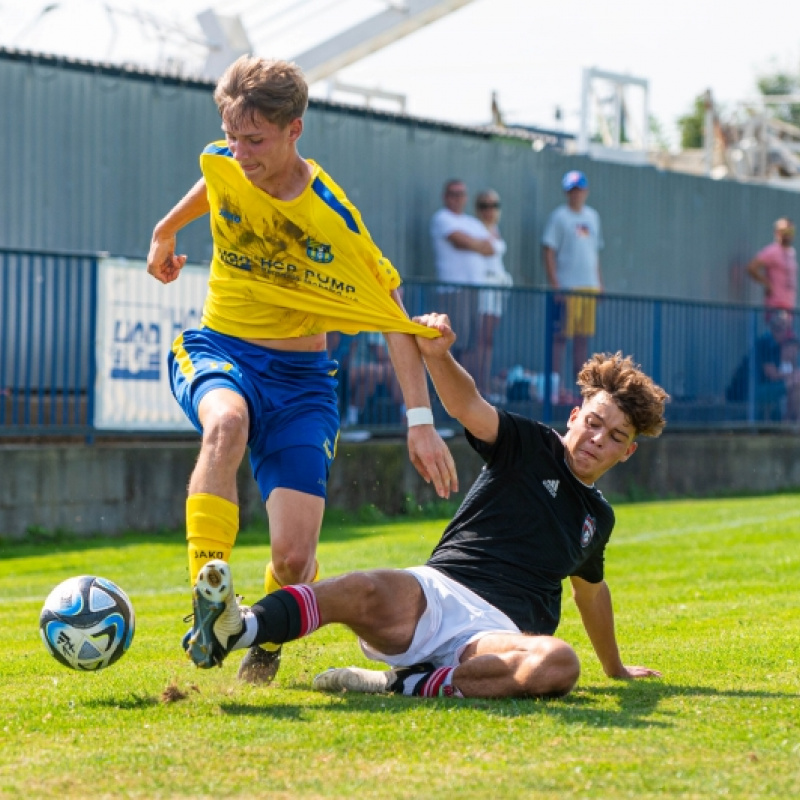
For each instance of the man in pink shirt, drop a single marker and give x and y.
(775, 267)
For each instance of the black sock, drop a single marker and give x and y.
(410, 680)
(278, 616)
(425, 680)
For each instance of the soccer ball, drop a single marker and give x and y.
(87, 623)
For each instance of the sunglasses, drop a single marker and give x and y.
(487, 206)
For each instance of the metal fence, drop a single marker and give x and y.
(47, 326)
(704, 354)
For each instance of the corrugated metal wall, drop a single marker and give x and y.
(92, 156)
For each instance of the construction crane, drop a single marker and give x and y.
(399, 19)
(228, 40)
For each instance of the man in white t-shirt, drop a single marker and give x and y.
(571, 246)
(460, 243)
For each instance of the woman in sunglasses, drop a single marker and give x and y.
(491, 302)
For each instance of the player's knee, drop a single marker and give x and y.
(564, 668)
(556, 671)
(367, 598)
(293, 565)
(226, 426)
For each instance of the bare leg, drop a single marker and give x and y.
(559, 346)
(212, 513)
(516, 665)
(382, 607)
(580, 352)
(486, 330)
(295, 519)
(223, 415)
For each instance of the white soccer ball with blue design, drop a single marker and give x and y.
(87, 623)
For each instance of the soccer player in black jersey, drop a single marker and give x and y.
(478, 619)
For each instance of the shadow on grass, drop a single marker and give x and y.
(629, 705)
(134, 702)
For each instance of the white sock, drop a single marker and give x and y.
(250, 630)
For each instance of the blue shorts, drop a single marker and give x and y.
(291, 400)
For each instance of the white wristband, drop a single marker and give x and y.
(419, 416)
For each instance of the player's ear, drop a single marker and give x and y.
(573, 415)
(629, 451)
(295, 129)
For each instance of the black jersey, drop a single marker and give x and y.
(525, 525)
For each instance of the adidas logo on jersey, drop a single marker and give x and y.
(551, 486)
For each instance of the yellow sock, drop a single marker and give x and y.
(271, 584)
(211, 527)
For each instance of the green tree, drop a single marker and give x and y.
(658, 137)
(692, 124)
(782, 83)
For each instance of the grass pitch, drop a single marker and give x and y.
(706, 591)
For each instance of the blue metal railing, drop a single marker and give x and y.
(47, 314)
(48, 325)
(693, 349)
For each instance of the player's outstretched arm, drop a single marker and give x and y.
(428, 453)
(454, 385)
(162, 263)
(594, 604)
(426, 449)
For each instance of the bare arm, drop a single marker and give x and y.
(463, 241)
(454, 385)
(756, 269)
(429, 454)
(549, 256)
(594, 604)
(162, 263)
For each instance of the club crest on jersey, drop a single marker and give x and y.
(319, 252)
(231, 216)
(588, 531)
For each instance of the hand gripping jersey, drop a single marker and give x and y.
(286, 269)
(526, 524)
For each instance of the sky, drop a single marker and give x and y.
(531, 53)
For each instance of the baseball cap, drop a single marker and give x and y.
(574, 180)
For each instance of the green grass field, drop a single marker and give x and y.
(706, 591)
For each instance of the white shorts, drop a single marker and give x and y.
(454, 617)
(491, 301)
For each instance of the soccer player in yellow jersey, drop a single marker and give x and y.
(292, 260)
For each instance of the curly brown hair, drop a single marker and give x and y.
(274, 89)
(636, 394)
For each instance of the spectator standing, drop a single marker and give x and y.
(572, 243)
(370, 370)
(460, 242)
(775, 268)
(777, 376)
(491, 302)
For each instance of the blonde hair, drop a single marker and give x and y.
(486, 195)
(273, 89)
(635, 394)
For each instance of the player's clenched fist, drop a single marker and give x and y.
(441, 344)
(162, 263)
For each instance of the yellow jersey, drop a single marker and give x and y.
(283, 269)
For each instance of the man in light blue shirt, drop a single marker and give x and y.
(571, 247)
